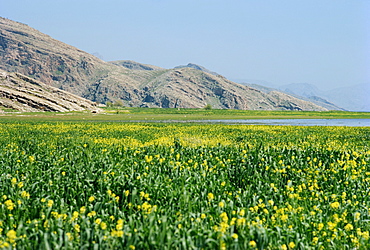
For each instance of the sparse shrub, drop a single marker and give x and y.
(109, 104)
(118, 103)
(208, 107)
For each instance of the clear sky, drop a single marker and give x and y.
(322, 42)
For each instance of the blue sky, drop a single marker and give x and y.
(322, 42)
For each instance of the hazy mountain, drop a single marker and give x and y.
(34, 54)
(19, 92)
(353, 98)
(302, 89)
(310, 98)
(312, 93)
(260, 87)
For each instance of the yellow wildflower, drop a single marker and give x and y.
(335, 205)
(119, 225)
(69, 236)
(31, 158)
(9, 204)
(91, 214)
(241, 221)
(12, 236)
(284, 217)
(50, 203)
(74, 215)
(103, 225)
(357, 216)
(348, 227)
(25, 194)
(315, 240)
(210, 196)
(118, 233)
(252, 243)
(82, 209)
(14, 181)
(224, 217)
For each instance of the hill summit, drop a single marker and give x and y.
(38, 56)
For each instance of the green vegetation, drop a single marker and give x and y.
(120, 113)
(208, 107)
(183, 186)
(117, 105)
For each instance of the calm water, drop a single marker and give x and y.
(297, 122)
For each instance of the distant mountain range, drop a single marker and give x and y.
(35, 55)
(353, 98)
(300, 92)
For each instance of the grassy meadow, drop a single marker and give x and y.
(163, 114)
(87, 185)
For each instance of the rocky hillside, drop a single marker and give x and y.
(188, 87)
(19, 92)
(34, 54)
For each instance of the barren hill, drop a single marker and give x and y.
(19, 92)
(188, 87)
(34, 54)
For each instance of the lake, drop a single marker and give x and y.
(297, 122)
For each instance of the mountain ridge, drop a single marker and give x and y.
(129, 64)
(198, 67)
(32, 53)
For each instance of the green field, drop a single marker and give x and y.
(157, 114)
(73, 185)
